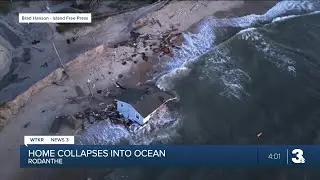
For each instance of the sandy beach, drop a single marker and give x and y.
(114, 54)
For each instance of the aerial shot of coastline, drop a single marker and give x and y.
(160, 72)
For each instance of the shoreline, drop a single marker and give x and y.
(40, 104)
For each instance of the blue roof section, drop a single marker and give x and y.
(129, 112)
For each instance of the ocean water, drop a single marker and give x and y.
(239, 77)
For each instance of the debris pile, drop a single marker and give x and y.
(90, 116)
(166, 42)
(162, 43)
(146, 44)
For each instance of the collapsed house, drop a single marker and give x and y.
(129, 113)
(105, 133)
(117, 112)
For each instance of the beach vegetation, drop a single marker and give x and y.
(5, 7)
(3, 104)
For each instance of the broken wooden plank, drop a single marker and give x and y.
(120, 86)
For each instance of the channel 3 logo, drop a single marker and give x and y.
(298, 156)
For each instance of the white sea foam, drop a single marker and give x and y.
(279, 19)
(271, 50)
(103, 132)
(198, 44)
(220, 66)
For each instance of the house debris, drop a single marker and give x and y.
(129, 113)
(118, 112)
(259, 135)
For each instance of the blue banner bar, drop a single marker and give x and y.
(59, 156)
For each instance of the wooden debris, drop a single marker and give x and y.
(193, 7)
(259, 135)
(74, 39)
(44, 65)
(120, 86)
(158, 22)
(35, 42)
(89, 87)
(26, 125)
(78, 120)
(79, 115)
(166, 50)
(144, 56)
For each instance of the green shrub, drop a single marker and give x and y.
(3, 104)
(5, 7)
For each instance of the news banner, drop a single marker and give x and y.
(60, 151)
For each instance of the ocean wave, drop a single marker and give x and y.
(280, 19)
(193, 46)
(288, 8)
(201, 43)
(271, 50)
(220, 66)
